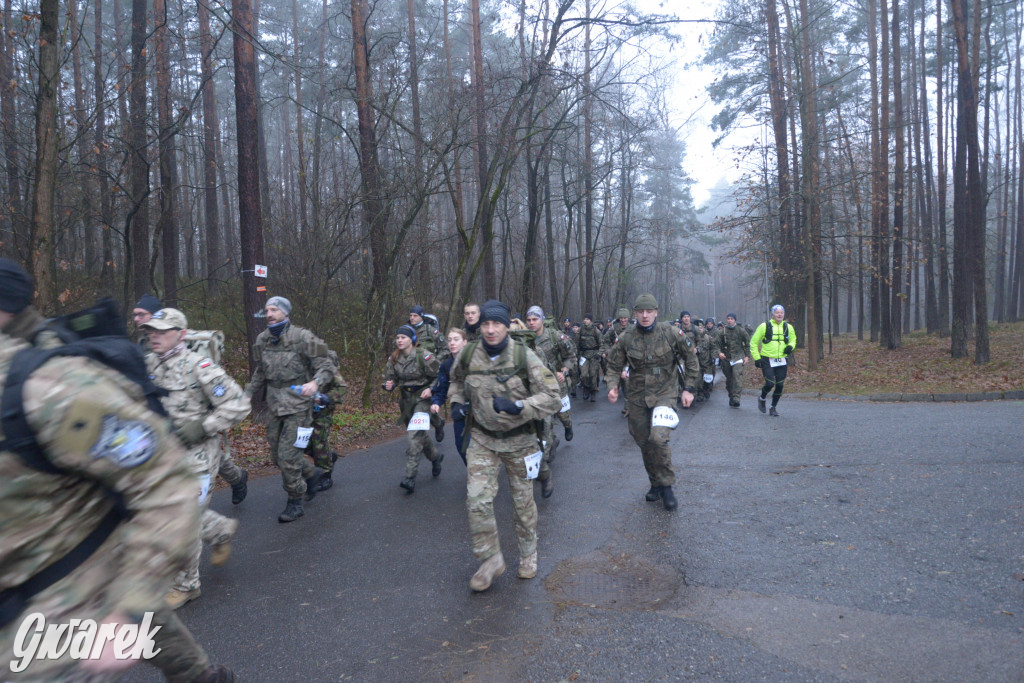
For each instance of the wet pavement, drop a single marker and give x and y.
(840, 541)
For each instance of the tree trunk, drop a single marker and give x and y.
(896, 305)
(210, 159)
(484, 214)
(810, 185)
(137, 228)
(167, 225)
(46, 156)
(14, 215)
(246, 124)
(941, 157)
(299, 113)
(106, 206)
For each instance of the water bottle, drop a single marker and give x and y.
(320, 401)
(297, 388)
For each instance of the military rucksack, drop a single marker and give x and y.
(207, 343)
(518, 360)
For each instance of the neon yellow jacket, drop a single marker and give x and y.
(776, 347)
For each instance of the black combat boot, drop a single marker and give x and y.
(653, 495)
(215, 673)
(773, 412)
(240, 490)
(439, 433)
(292, 511)
(435, 467)
(547, 487)
(568, 433)
(668, 498)
(313, 484)
(326, 482)
(409, 484)
(760, 405)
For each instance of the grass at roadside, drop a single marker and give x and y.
(922, 365)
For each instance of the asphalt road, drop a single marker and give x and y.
(841, 541)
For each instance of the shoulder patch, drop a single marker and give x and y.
(126, 443)
(218, 390)
(205, 364)
(426, 356)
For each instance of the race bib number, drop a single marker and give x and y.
(204, 488)
(736, 362)
(420, 422)
(302, 437)
(776, 362)
(682, 369)
(625, 371)
(664, 417)
(566, 406)
(582, 361)
(532, 462)
(708, 379)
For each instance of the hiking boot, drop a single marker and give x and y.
(492, 567)
(220, 552)
(760, 405)
(528, 566)
(292, 511)
(435, 467)
(326, 482)
(547, 487)
(734, 402)
(668, 498)
(568, 433)
(215, 673)
(698, 398)
(653, 495)
(409, 484)
(586, 394)
(312, 483)
(176, 598)
(773, 412)
(240, 490)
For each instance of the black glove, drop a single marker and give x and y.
(191, 433)
(759, 363)
(788, 350)
(458, 411)
(504, 405)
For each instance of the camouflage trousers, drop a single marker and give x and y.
(653, 443)
(733, 379)
(214, 528)
(320, 443)
(229, 470)
(550, 443)
(566, 417)
(421, 442)
(590, 373)
(295, 467)
(482, 487)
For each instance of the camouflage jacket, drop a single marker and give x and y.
(93, 423)
(733, 341)
(556, 350)
(502, 432)
(412, 373)
(589, 341)
(653, 357)
(429, 338)
(199, 390)
(612, 335)
(296, 357)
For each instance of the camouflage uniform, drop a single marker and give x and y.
(555, 349)
(696, 336)
(199, 389)
(323, 419)
(707, 359)
(734, 342)
(412, 373)
(501, 438)
(652, 356)
(295, 357)
(589, 346)
(430, 339)
(92, 421)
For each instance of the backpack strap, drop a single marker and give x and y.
(518, 359)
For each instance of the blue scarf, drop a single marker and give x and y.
(278, 328)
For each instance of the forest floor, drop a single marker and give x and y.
(922, 365)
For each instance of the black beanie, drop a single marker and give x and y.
(15, 286)
(407, 331)
(683, 313)
(150, 303)
(496, 311)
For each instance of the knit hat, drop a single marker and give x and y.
(623, 312)
(496, 311)
(588, 316)
(731, 315)
(15, 286)
(535, 312)
(407, 331)
(150, 303)
(167, 319)
(418, 310)
(281, 303)
(645, 302)
(683, 314)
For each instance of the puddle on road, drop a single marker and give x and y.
(613, 581)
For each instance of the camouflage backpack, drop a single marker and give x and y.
(207, 343)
